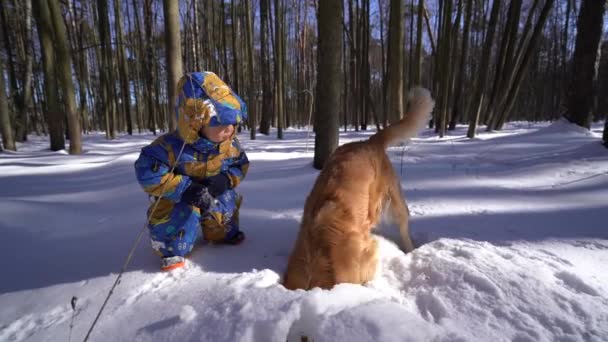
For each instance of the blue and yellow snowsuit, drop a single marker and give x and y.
(203, 100)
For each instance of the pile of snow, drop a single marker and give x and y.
(510, 229)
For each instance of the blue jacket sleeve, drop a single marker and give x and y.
(238, 169)
(152, 171)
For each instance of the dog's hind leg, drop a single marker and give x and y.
(400, 214)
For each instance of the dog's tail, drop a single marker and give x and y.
(420, 107)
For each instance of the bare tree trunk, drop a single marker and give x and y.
(137, 51)
(53, 111)
(328, 87)
(123, 67)
(565, 72)
(105, 70)
(196, 50)
(235, 61)
(279, 76)
(512, 65)
(417, 77)
(385, 116)
(345, 88)
(353, 68)
(516, 78)
(366, 69)
(505, 55)
(265, 69)
(64, 66)
(9, 48)
(436, 65)
(150, 77)
(81, 63)
(478, 96)
(429, 31)
(582, 90)
(222, 26)
(444, 76)
(250, 72)
(174, 56)
(6, 128)
(459, 101)
(39, 112)
(410, 63)
(395, 61)
(25, 102)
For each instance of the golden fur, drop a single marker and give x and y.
(335, 244)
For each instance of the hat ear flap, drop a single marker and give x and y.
(206, 118)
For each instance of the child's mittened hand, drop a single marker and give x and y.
(197, 195)
(217, 184)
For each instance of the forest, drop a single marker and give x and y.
(71, 67)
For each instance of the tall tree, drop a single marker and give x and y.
(51, 96)
(278, 70)
(196, 50)
(395, 61)
(222, 26)
(479, 92)
(444, 68)
(137, 54)
(9, 47)
(329, 21)
(235, 55)
(64, 72)
(250, 72)
(520, 67)
(105, 68)
(123, 67)
(25, 100)
(5, 119)
(174, 56)
(417, 77)
(582, 89)
(265, 68)
(459, 87)
(505, 52)
(76, 28)
(365, 78)
(149, 62)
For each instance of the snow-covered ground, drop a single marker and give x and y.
(511, 228)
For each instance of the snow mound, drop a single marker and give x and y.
(563, 126)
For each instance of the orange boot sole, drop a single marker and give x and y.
(173, 266)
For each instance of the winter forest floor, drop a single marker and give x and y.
(511, 229)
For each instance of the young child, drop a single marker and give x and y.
(200, 190)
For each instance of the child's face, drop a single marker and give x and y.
(218, 134)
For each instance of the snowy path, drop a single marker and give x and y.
(511, 228)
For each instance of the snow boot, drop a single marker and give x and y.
(236, 239)
(171, 263)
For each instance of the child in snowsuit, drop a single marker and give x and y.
(199, 193)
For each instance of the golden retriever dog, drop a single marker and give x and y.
(335, 244)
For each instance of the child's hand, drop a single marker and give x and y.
(197, 195)
(217, 184)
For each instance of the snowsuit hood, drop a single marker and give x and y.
(203, 99)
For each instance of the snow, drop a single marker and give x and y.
(188, 314)
(510, 228)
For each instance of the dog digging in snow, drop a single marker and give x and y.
(335, 244)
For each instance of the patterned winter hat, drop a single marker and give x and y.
(205, 100)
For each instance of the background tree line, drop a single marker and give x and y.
(70, 67)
